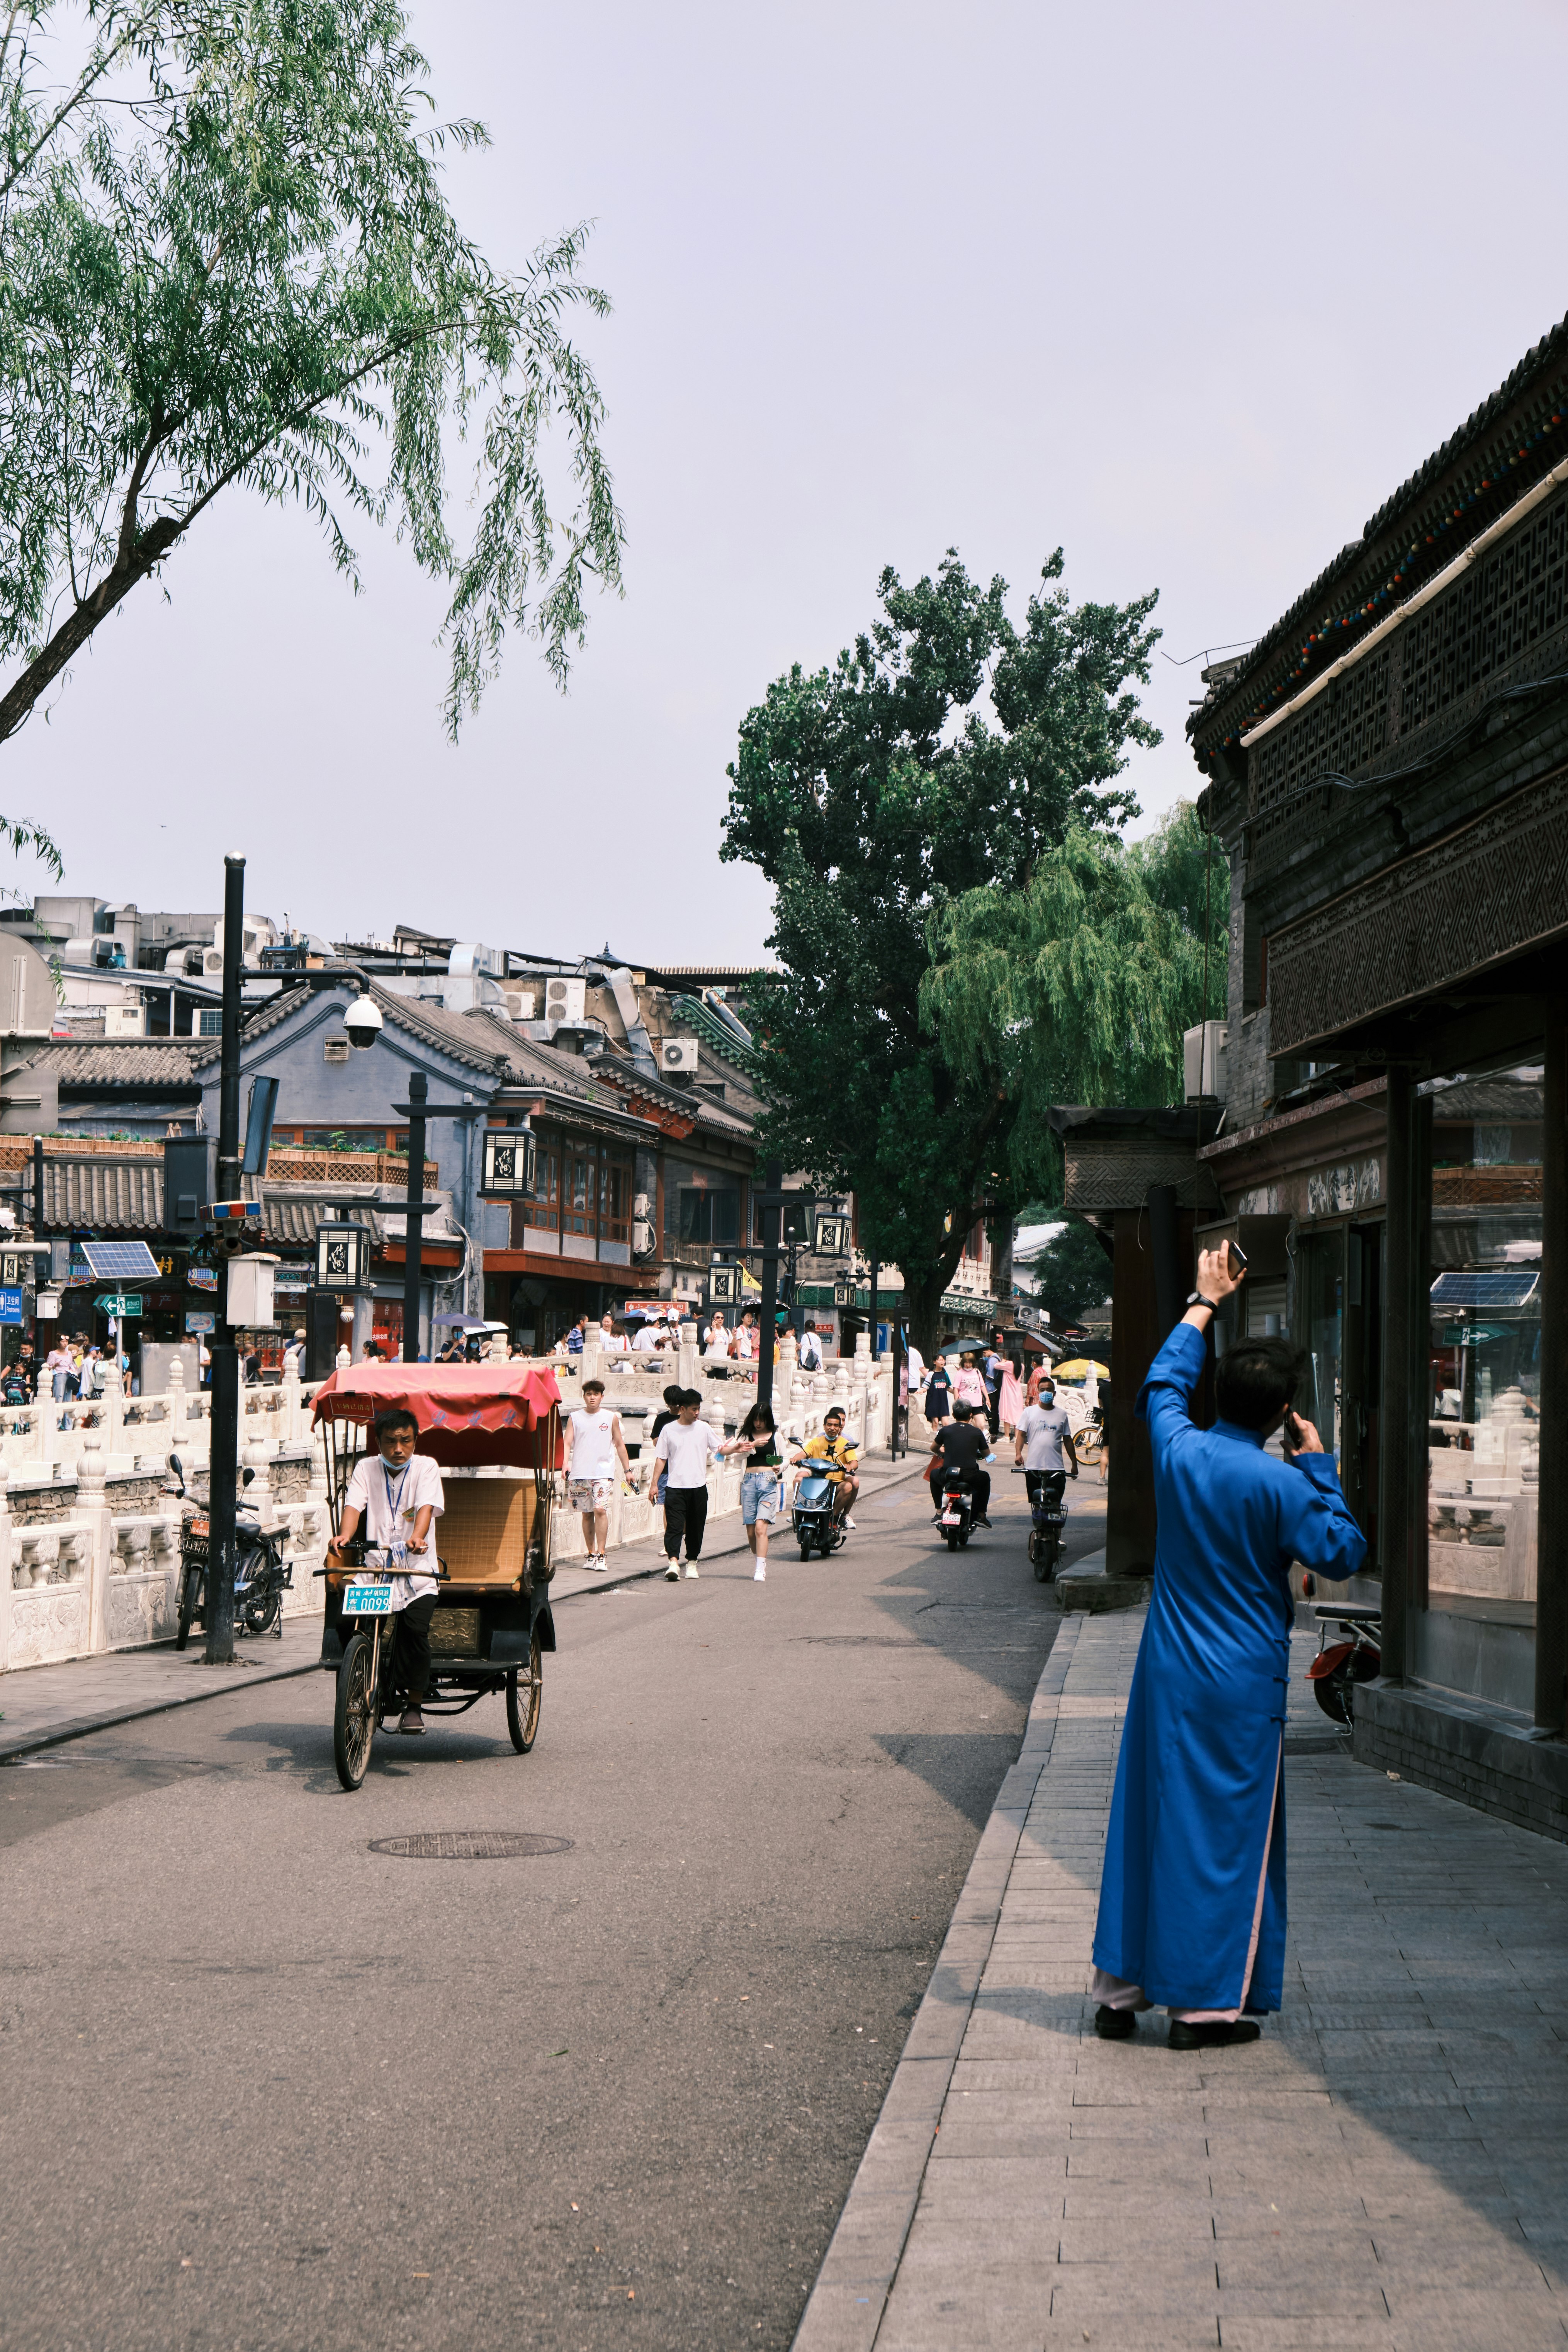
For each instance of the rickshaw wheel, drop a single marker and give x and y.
(524, 1697)
(354, 1717)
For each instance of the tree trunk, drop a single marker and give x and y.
(923, 1297)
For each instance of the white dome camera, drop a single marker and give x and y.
(362, 1021)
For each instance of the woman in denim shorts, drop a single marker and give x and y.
(759, 1485)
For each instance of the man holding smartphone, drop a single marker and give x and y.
(1191, 1899)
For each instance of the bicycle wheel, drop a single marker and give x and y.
(353, 1716)
(265, 1613)
(1039, 1557)
(524, 1697)
(190, 1581)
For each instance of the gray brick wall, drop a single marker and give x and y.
(1499, 1775)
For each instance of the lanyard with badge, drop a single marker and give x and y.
(397, 1548)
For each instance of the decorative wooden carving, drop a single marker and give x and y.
(1496, 887)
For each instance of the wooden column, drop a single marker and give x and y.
(1396, 1513)
(1552, 1521)
(1140, 1329)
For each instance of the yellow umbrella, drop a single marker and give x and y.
(1080, 1368)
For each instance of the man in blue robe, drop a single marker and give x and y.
(1191, 1898)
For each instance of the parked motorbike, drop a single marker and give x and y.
(1340, 1665)
(818, 1526)
(261, 1574)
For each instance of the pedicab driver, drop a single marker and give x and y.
(1191, 1899)
(397, 1493)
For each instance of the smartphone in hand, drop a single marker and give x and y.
(1237, 1261)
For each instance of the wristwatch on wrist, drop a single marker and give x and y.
(1196, 1298)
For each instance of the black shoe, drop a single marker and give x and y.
(1115, 2024)
(1213, 2037)
(982, 1523)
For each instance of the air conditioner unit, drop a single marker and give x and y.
(678, 1054)
(564, 999)
(212, 962)
(642, 1237)
(125, 1021)
(519, 1004)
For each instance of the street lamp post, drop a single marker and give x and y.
(417, 1110)
(224, 1451)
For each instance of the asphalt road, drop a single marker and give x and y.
(263, 2087)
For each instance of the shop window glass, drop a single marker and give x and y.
(1484, 1348)
(542, 1212)
(1320, 1274)
(702, 1206)
(580, 1203)
(617, 1201)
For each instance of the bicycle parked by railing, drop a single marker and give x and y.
(261, 1574)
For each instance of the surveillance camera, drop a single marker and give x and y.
(362, 1021)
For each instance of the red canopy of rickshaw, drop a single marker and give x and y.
(469, 1414)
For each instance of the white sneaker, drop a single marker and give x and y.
(673, 1574)
(759, 1574)
(690, 1569)
(599, 1564)
(846, 1523)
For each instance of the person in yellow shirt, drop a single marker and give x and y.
(833, 1445)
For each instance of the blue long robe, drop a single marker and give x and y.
(1198, 1786)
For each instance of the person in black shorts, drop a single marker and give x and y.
(962, 1445)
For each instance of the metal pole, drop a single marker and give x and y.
(1552, 1502)
(38, 1188)
(772, 1181)
(413, 1230)
(223, 1453)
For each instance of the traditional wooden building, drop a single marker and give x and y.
(1387, 771)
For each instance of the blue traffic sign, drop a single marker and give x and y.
(11, 1306)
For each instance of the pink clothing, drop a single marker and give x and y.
(970, 1388)
(1010, 1401)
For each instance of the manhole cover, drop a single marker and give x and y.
(469, 1845)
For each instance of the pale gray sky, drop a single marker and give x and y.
(1188, 291)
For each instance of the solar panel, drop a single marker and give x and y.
(121, 1261)
(1511, 1285)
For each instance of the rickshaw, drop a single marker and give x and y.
(495, 1430)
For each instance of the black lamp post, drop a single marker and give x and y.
(417, 1110)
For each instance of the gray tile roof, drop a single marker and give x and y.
(108, 1196)
(125, 1061)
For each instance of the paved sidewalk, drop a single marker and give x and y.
(1388, 2167)
(41, 1705)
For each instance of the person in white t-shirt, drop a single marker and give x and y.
(612, 1341)
(686, 1446)
(397, 1493)
(646, 1340)
(745, 1340)
(593, 1442)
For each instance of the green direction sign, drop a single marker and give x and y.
(119, 1302)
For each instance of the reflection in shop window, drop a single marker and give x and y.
(1483, 1394)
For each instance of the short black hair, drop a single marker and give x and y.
(673, 1395)
(690, 1396)
(396, 1416)
(962, 1409)
(591, 1383)
(1254, 1380)
(834, 1412)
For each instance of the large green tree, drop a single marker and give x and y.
(1079, 986)
(227, 263)
(878, 793)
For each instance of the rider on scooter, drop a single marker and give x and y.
(1040, 1441)
(960, 1447)
(842, 1458)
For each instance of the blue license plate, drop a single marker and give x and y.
(367, 1600)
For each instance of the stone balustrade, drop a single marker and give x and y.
(90, 1540)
